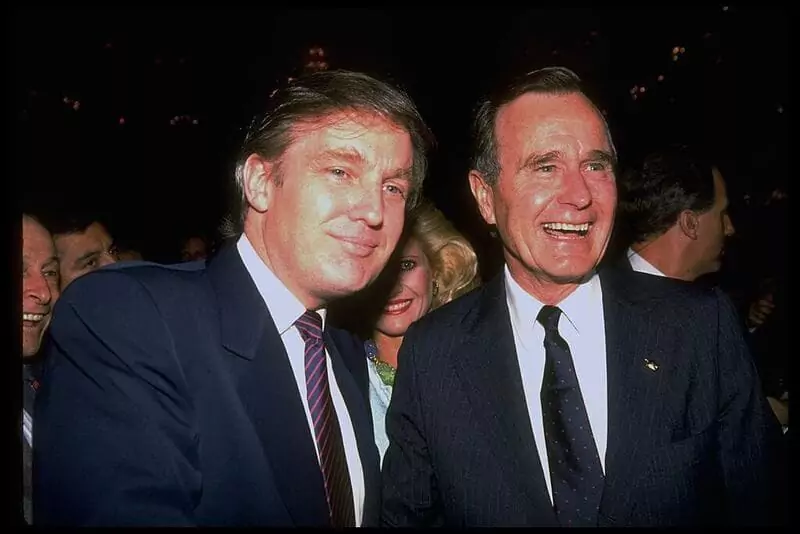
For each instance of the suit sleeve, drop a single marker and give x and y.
(749, 434)
(114, 439)
(409, 493)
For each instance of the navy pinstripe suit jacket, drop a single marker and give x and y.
(690, 444)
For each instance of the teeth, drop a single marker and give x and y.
(397, 307)
(567, 227)
(35, 317)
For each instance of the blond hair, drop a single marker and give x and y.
(454, 264)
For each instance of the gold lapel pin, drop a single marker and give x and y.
(650, 364)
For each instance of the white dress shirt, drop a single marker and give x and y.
(379, 397)
(582, 326)
(27, 427)
(639, 264)
(285, 309)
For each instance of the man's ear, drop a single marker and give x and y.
(259, 181)
(689, 224)
(483, 194)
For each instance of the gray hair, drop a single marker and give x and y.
(548, 80)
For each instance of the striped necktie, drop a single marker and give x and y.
(333, 461)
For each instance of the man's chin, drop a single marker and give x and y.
(29, 351)
(341, 287)
(572, 275)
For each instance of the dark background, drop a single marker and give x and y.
(158, 181)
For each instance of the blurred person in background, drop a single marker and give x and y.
(83, 243)
(194, 248)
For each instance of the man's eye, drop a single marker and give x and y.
(394, 190)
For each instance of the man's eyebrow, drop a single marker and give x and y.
(400, 174)
(602, 155)
(535, 160)
(349, 155)
(87, 255)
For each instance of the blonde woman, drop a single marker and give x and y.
(432, 265)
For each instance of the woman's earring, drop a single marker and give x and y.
(435, 288)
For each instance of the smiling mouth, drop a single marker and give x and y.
(397, 307)
(33, 320)
(358, 247)
(561, 230)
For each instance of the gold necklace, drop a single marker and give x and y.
(385, 371)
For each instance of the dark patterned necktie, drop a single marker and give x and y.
(333, 461)
(575, 470)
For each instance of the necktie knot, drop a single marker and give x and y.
(548, 317)
(310, 326)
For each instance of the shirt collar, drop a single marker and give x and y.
(576, 307)
(639, 264)
(283, 306)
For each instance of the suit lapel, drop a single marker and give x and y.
(488, 366)
(351, 349)
(634, 390)
(268, 389)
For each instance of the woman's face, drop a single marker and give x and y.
(412, 294)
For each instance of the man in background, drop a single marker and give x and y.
(83, 244)
(674, 211)
(194, 248)
(40, 290)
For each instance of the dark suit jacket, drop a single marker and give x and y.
(767, 345)
(689, 443)
(168, 399)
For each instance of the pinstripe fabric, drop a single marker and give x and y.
(333, 462)
(691, 443)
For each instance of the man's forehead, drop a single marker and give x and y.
(356, 139)
(95, 230)
(36, 240)
(43, 251)
(32, 227)
(346, 128)
(533, 104)
(82, 243)
(544, 115)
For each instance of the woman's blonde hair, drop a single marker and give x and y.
(454, 264)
